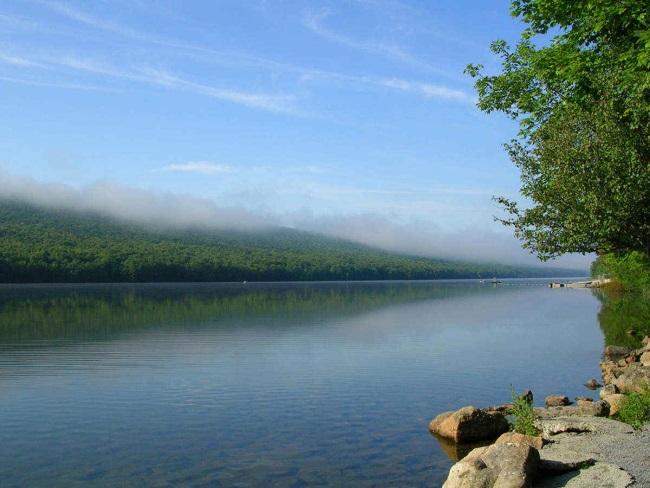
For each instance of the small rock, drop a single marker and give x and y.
(469, 424)
(597, 409)
(592, 384)
(646, 341)
(557, 401)
(505, 408)
(622, 362)
(614, 353)
(645, 359)
(631, 332)
(582, 399)
(515, 438)
(609, 370)
(608, 390)
(615, 402)
(633, 357)
(634, 378)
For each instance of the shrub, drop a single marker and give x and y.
(524, 416)
(631, 270)
(635, 409)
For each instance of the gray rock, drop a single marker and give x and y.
(601, 475)
(597, 409)
(614, 353)
(469, 424)
(601, 439)
(592, 384)
(596, 425)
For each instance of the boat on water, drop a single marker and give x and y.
(496, 281)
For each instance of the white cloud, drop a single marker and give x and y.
(202, 167)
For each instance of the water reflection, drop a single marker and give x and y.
(269, 385)
(624, 317)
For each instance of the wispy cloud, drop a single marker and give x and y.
(151, 76)
(53, 84)
(18, 61)
(427, 90)
(314, 22)
(274, 103)
(264, 101)
(202, 167)
(82, 17)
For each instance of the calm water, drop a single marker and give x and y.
(270, 385)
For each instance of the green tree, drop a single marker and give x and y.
(582, 100)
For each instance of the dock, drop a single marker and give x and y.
(580, 284)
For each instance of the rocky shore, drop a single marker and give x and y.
(578, 444)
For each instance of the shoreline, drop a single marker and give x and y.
(577, 443)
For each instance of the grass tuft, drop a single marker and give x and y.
(635, 409)
(524, 416)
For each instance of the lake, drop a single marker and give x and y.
(287, 385)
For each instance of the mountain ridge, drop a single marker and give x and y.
(42, 244)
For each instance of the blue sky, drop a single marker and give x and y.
(353, 117)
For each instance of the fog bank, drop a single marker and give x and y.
(184, 211)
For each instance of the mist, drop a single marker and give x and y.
(161, 209)
(173, 210)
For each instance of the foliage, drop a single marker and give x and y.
(631, 270)
(583, 104)
(635, 409)
(39, 245)
(524, 415)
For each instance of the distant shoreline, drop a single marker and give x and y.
(542, 280)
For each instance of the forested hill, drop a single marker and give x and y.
(46, 245)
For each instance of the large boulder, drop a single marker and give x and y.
(469, 424)
(504, 465)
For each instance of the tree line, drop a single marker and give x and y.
(45, 245)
